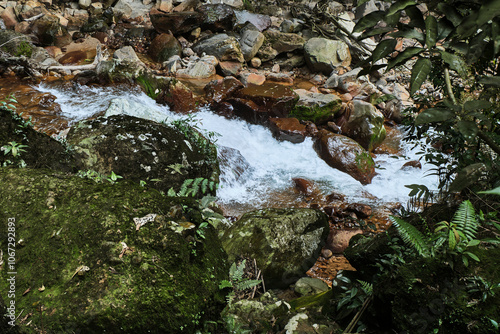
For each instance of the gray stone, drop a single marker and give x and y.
(284, 42)
(251, 40)
(284, 242)
(131, 9)
(121, 106)
(221, 46)
(126, 53)
(202, 68)
(365, 9)
(310, 286)
(84, 4)
(323, 55)
(262, 22)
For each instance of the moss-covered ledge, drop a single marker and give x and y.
(158, 279)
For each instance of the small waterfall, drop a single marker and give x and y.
(266, 166)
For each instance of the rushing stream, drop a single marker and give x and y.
(271, 164)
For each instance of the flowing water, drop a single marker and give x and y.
(267, 165)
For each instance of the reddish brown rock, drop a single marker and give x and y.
(48, 31)
(248, 110)
(9, 18)
(288, 129)
(230, 67)
(74, 57)
(338, 240)
(163, 47)
(101, 37)
(178, 23)
(218, 90)
(412, 164)
(277, 100)
(304, 186)
(253, 79)
(361, 210)
(178, 97)
(282, 78)
(225, 109)
(346, 155)
(53, 51)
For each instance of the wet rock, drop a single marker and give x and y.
(217, 18)
(338, 240)
(163, 47)
(316, 107)
(48, 31)
(306, 286)
(121, 285)
(363, 123)
(284, 242)
(248, 110)
(266, 53)
(283, 78)
(276, 100)
(230, 68)
(221, 46)
(324, 55)
(261, 22)
(177, 96)
(283, 42)
(252, 79)
(218, 90)
(412, 164)
(178, 23)
(288, 129)
(360, 209)
(119, 71)
(251, 40)
(233, 164)
(346, 155)
(305, 186)
(74, 57)
(139, 149)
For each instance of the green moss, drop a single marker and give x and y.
(317, 114)
(364, 162)
(158, 285)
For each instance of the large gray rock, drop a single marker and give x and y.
(363, 123)
(201, 68)
(251, 41)
(323, 55)
(316, 107)
(283, 42)
(139, 149)
(132, 9)
(126, 53)
(121, 106)
(284, 242)
(221, 46)
(262, 22)
(116, 70)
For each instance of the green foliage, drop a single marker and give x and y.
(194, 188)
(237, 281)
(455, 43)
(24, 49)
(149, 86)
(98, 177)
(15, 149)
(458, 235)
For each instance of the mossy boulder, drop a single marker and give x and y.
(316, 107)
(139, 149)
(15, 43)
(39, 150)
(159, 278)
(284, 242)
(116, 70)
(363, 123)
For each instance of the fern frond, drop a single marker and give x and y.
(367, 287)
(247, 284)
(465, 220)
(225, 284)
(411, 236)
(236, 271)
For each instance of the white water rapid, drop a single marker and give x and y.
(272, 163)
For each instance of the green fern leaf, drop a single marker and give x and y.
(411, 236)
(367, 287)
(204, 186)
(465, 220)
(225, 284)
(247, 284)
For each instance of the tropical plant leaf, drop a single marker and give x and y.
(468, 129)
(369, 21)
(488, 80)
(416, 17)
(488, 11)
(445, 27)
(495, 191)
(400, 5)
(450, 13)
(408, 53)
(410, 34)
(455, 62)
(374, 32)
(432, 115)
(384, 48)
(476, 105)
(431, 31)
(467, 176)
(411, 236)
(419, 73)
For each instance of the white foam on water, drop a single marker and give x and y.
(273, 163)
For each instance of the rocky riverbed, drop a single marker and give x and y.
(289, 66)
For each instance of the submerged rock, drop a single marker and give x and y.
(284, 242)
(87, 265)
